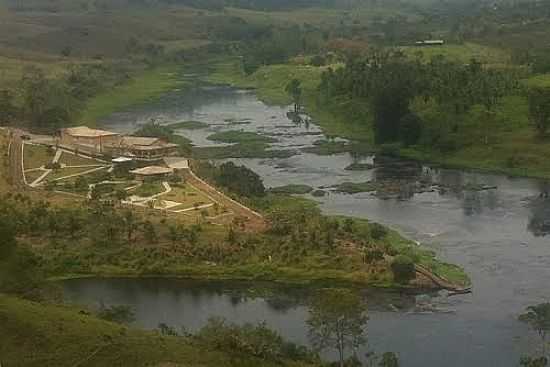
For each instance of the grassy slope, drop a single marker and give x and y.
(42, 335)
(513, 147)
(142, 88)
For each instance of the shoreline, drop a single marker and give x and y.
(330, 121)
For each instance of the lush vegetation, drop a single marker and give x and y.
(37, 334)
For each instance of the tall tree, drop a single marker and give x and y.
(338, 319)
(294, 89)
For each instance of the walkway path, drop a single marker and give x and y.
(255, 220)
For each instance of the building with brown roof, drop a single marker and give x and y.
(144, 148)
(89, 140)
(94, 141)
(150, 172)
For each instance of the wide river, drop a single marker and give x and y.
(497, 235)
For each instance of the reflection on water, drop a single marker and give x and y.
(494, 226)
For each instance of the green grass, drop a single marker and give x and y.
(142, 88)
(75, 160)
(541, 80)
(187, 196)
(36, 156)
(240, 137)
(148, 189)
(35, 334)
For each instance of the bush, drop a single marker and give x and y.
(403, 269)
(254, 340)
(378, 231)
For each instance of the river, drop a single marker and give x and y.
(499, 236)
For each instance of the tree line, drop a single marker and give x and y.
(391, 84)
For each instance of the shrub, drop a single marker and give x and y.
(403, 269)
(53, 165)
(378, 231)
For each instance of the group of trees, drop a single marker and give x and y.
(391, 82)
(46, 103)
(238, 180)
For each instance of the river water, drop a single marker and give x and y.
(498, 236)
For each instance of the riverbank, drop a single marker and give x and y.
(512, 147)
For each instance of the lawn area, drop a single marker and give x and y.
(148, 189)
(187, 195)
(63, 172)
(36, 156)
(140, 89)
(75, 160)
(35, 334)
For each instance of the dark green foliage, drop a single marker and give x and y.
(317, 60)
(48, 104)
(19, 268)
(389, 82)
(410, 129)
(533, 362)
(253, 340)
(8, 109)
(238, 179)
(403, 269)
(539, 109)
(378, 231)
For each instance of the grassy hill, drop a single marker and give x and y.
(34, 334)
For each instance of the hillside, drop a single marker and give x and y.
(33, 334)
